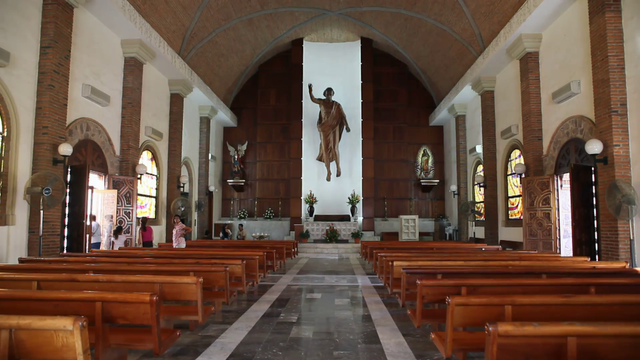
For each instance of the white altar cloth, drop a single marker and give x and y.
(317, 229)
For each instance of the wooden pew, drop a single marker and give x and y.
(393, 281)
(215, 278)
(447, 245)
(410, 276)
(237, 272)
(102, 310)
(173, 291)
(570, 341)
(283, 251)
(476, 311)
(436, 291)
(44, 337)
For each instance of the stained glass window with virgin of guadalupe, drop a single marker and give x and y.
(514, 185)
(478, 192)
(148, 187)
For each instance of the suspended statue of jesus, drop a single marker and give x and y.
(331, 122)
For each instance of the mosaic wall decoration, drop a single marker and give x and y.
(126, 204)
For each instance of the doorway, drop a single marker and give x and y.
(87, 173)
(575, 184)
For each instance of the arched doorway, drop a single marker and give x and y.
(87, 172)
(575, 184)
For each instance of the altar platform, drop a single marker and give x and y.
(329, 251)
(342, 223)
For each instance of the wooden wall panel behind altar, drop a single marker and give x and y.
(269, 110)
(396, 109)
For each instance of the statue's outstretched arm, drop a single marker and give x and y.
(313, 98)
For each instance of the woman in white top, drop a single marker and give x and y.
(118, 240)
(179, 231)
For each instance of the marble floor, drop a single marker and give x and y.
(314, 309)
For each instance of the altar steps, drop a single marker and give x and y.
(329, 251)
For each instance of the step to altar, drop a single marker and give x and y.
(329, 251)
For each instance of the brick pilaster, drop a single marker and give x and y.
(368, 173)
(179, 90)
(611, 117)
(459, 112)
(204, 217)
(51, 114)
(485, 87)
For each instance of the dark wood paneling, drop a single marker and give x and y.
(273, 133)
(272, 170)
(272, 151)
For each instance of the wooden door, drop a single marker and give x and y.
(126, 205)
(539, 222)
(582, 211)
(77, 226)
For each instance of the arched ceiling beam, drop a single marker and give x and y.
(324, 11)
(348, 18)
(473, 23)
(196, 17)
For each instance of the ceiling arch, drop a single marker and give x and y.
(225, 40)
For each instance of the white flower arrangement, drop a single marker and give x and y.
(268, 214)
(243, 214)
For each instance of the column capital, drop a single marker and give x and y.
(523, 44)
(76, 3)
(458, 109)
(181, 86)
(136, 48)
(483, 84)
(207, 111)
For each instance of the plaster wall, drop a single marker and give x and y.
(631, 24)
(96, 59)
(474, 137)
(450, 172)
(215, 169)
(191, 148)
(565, 55)
(20, 29)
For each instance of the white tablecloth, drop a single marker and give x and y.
(317, 229)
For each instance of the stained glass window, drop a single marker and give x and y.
(478, 193)
(2, 136)
(514, 186)
(148, 187)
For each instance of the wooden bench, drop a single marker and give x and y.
(181, 297)
(44, 337)
(433, 292)
(393, 283)
(140, 311)
(291, 246)
(476, 311)
(237, 273)
(215, 278)
(283, 251)
(433, 245)
(410, 276)
(570, 341)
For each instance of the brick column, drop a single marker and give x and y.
(612, 127)
(368, 174)
(526, 49)
(51, 115)
(459, 112)
(204, 217)
(179, 89)
(485, 87)
(136, 54)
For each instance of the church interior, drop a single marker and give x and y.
(341, 179)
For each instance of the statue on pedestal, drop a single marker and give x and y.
(236, 160)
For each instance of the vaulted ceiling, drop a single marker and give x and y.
(224, 41)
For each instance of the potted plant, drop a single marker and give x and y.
(353, 200)
(310, 200)
(268, 214)
(243, 214)
(331, 235)
(356, 236)
(305, 235)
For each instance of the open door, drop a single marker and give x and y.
(78, 191)
(583, 211)
(538, 224)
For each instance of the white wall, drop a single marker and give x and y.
(191, 148)
(20, 29)
(474, 137)
(565, 55)
(631, 24)
(96, 59)
(450, 171)
(335, 65)
(215, 169)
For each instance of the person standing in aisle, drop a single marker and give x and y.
(96, 233)
(145, 233)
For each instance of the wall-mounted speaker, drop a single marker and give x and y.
(510, 132)
(153, 133)
(476, 150)
(94, 95)
(5, 57)
(566, 92)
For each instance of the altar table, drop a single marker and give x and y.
(317, 229)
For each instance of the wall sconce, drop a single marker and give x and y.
(65, 150)
(141, 169)
(212, 189)
(594, 148)
(520, 169)
(453, 189)
(182, 182)
(480, 180)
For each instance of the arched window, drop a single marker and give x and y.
(478, 192)
(148, 187)
(514, 185)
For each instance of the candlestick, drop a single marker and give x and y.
(255, 209)
(231, 210)
(279, 208)
(385, 208)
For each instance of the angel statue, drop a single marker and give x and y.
(236, 163)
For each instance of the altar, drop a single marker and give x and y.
(317, 229)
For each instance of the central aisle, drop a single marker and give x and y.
(315, 309)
